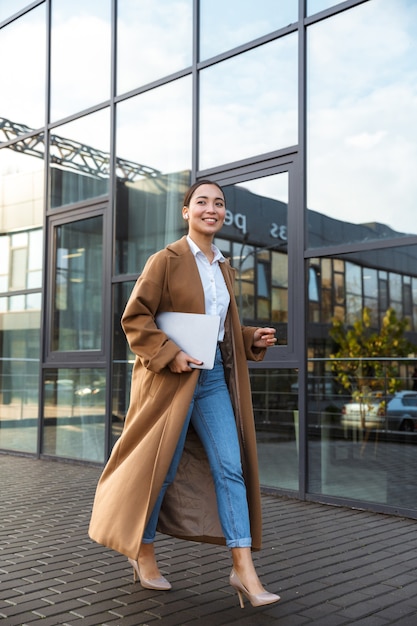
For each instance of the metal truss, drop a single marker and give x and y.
(71, 154)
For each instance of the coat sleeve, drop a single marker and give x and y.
(146, 340)
(252, 353)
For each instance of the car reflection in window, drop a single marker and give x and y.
(400, 413)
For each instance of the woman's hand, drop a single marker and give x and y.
(181, 363)
(264, 338)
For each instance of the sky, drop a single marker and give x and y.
(361, 92)
(362, 100)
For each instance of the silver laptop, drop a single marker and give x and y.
(194, 333)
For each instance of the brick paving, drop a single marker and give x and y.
(331, 565)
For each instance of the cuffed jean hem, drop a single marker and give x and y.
(246, 542)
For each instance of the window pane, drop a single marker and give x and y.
(314, 6)
(35, 256)
(21, 261)
(362, 135)
(19, 374)
(74, 413)
(226, 25)
(80, 55)
(21, 216)
(151, 181)
(370, 282)
(237, 120)
(256, 226)
(79, 159)
(366, 442)
(77, 315)
(9, 7)
(4, 262)
(19, 265)
(361, 433)
(21, 183)
(275, 406)
(148, 47)
(23, 68)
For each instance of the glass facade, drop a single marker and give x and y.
(304, 115)
(360, 155)
(74, 413)
(235, 117)
(23, 73)
(227, 26)
(80, 55)
(148, 47)
(78, 288)
(79, 158)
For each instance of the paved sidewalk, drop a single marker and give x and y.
(331, 565)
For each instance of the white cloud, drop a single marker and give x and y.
(248, 104)
(362, 141)
(154, 128)
(80, 62)
(23, 59)
(366, 141)
(154, 40)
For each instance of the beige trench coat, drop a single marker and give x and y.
(133, 476)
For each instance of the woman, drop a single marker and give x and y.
(186, 461)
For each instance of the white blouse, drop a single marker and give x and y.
(216, 295)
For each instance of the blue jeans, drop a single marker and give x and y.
(212, 417)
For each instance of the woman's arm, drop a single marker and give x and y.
(254, 342)
(264, 337)
(145, 339)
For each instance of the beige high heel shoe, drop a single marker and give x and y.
(158, 584)
(256, 599)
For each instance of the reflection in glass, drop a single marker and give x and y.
(79, 159)
(21, 254)
(123, 359)
(74, 413)
(275, 405)
(19, 374)
(279, 279)
(237, 120)
(148, 47)
(148, 218)
(80, 55)
(379, 279)
(362, 134)
(77, 307)
(35, 255)
(226, 25)
(361, 427)
(23, 55)
(256, 231)
(21, 260)
(22, 183)
(363, 448)
(314, 6)
(10, 7)
(151, 181)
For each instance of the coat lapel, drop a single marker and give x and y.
(183, 280)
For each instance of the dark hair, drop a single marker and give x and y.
(189, 194)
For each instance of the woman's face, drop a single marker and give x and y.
(206, 211)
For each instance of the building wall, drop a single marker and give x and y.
(305, 116)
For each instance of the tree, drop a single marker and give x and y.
(362, 349)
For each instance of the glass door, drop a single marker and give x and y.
(74, 376)
(258, 237)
